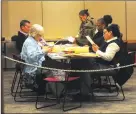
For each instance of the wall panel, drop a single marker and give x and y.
(60, 18)
(19, 10)
(131, 20)
(115, 8)
(5, 20)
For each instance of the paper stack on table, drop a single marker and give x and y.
(77, 49)
(81, 55)
(71, 39)
(65, 48)
(56, 56)
(50, 43)
(57, 48)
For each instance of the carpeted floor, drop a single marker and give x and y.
(126, 106)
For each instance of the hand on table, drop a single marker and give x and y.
(47, 49)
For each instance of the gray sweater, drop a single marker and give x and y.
(86, 28)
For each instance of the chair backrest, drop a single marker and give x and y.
(132, 54)
(17, 57)
(124, 47)
(125, 73)
(18, 66)
(2, 38)
(121, 35)
(14, 38)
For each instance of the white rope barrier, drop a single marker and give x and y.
(47, 68)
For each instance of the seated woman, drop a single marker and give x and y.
(87, 27)
(110, 49)
(32, 53)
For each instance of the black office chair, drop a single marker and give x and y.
(18, 71)
(18, 82)
(14, 38)
(111, 77)
(120, 77)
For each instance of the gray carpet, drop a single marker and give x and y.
(126, 106)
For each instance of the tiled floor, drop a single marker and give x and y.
(127, 106)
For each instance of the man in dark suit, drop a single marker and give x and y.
(98, 37)
(25, 26)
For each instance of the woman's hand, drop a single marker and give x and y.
(47, 49)
(95, 47)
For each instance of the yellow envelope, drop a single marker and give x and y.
(57, 49)
(77, 49)
(81, 50)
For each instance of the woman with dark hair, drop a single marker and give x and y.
(110, 50)
(107, 19)
(87, 27)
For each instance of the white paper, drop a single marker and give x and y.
(90, 40)
(56, 56)
(96, 31)
(71, 39)
(50, 45)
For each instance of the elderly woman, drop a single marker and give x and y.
(32, 53)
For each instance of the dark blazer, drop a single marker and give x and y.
(98, 39)
(20, 39)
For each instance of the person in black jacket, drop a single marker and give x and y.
(25, 26)
(100, 25)
(98, 37)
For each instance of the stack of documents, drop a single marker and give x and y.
(77, 49)
(63, 48)
(81, 55)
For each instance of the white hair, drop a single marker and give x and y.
(36, 29)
